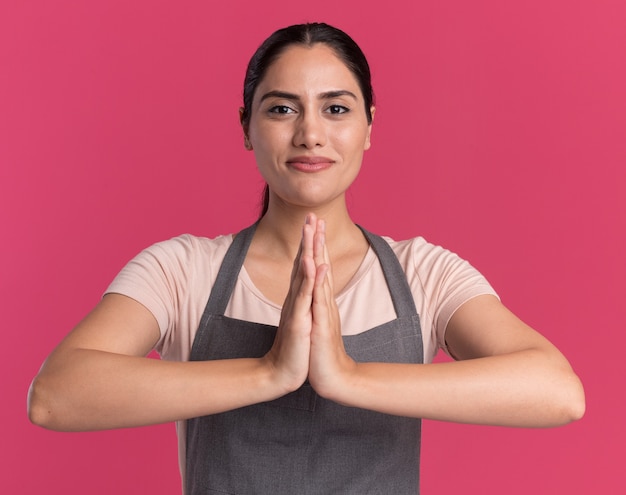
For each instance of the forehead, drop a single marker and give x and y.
(308, 69)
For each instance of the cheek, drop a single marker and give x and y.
(269, 148)
(353, 139)
(268, 138)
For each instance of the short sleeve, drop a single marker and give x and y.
(448, 281)
(160, 278)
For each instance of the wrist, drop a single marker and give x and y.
(279, 381)
(340, 385)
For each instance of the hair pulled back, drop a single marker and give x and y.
(307, 34)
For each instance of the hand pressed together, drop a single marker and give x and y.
(308, 341)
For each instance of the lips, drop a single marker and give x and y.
(310, 163)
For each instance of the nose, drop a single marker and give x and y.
(310, 131)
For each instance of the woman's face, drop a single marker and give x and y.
(308, 127)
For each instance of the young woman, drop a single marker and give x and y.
(310, 365)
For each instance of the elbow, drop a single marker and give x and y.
(577, 403)
(572, 400)
(39, 405)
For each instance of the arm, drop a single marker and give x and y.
(505, 374)
(99, 377)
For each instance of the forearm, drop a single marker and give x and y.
(523, 389)
(94, 390)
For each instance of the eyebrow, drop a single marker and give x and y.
(323, 96)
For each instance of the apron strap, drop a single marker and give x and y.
(229, 271)
(399, 288)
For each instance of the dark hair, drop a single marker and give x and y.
(305, 34)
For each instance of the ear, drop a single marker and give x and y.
(246, 140)
(368, 142)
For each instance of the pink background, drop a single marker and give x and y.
(500, 133)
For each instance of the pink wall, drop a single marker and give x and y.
(500, 133)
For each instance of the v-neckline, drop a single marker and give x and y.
(365, 265)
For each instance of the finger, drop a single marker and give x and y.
(321, 302)
(308, 235)
(304, 249)
(296, 262)
(321, 251)
(299, 296)
(329, 275)
(319, 243)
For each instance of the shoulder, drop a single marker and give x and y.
(167, 275)
(420, 256)
(182, 253)
(188, 246)
(172, 263)
(441, 282)
(438, 268)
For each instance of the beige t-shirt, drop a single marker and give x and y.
(173, 279)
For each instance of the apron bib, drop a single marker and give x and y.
(301, 443)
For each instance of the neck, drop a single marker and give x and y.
(280, 229)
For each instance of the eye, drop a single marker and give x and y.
(337, 109)
(281, 109)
